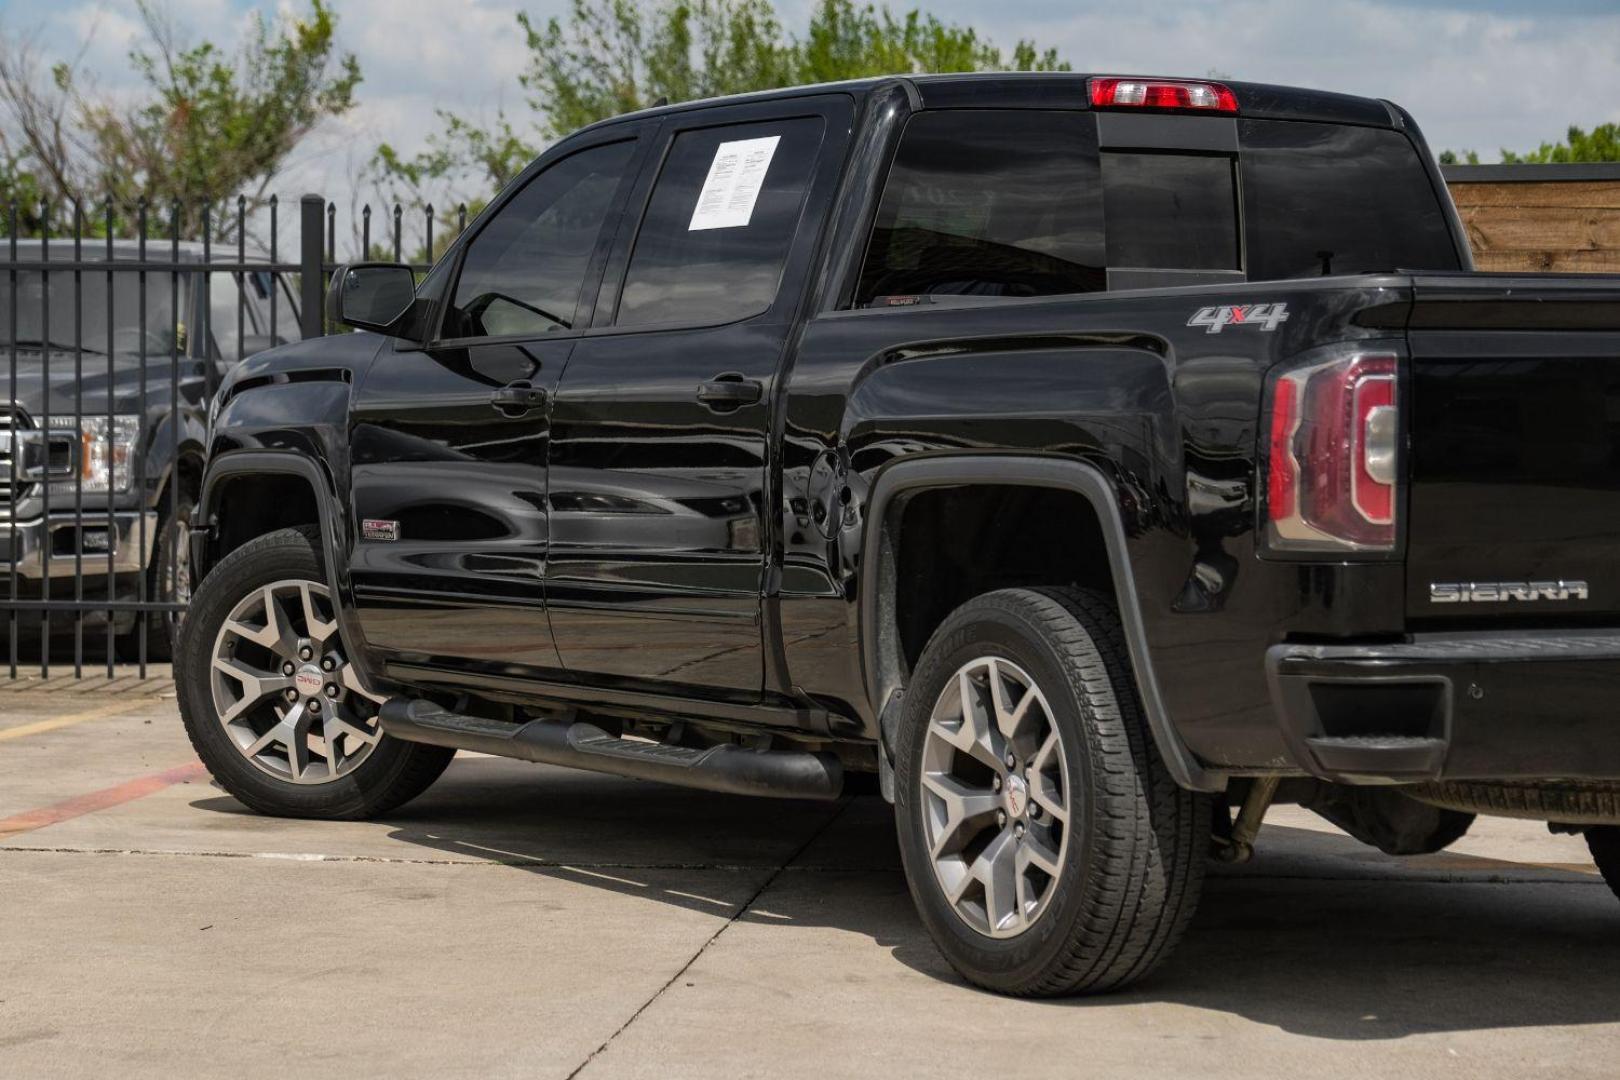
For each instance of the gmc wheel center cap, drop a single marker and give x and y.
(309, 681)
(1017, 796)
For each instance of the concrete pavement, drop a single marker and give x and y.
(523, 921)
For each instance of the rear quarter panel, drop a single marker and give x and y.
(1168, 411)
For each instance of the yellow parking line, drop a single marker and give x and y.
(64, 721)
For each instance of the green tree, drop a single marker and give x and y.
(19, 188)
(845, 41)
(1601, 144)
(204, 126)
(614, 56)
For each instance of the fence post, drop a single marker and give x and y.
(311, 265)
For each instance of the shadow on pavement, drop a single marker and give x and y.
(1289, 942)
(1384, 959)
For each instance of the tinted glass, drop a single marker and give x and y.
(224, 289)
(720, 223)
(1170, 211)
(525, 270)
(271, 295)
(1328, 198)
(988, 203)
(45, 311)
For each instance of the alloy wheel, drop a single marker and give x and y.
(285, 692)
(995, 797)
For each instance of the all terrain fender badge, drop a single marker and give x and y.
(1501, 592)
(378, 529)
(1265, 317)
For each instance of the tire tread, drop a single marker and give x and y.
(1147, 851)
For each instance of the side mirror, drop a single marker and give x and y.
(370, 296)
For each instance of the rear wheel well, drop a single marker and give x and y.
(251, 505)
(956, 543)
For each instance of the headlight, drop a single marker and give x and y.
(107, 448)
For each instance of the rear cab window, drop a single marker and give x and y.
(988, 203)
(1335, 199)
(1170, 211)
(1022, 203)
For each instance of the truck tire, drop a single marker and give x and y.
(1603, 841)
(270, 701)
(1046, 846)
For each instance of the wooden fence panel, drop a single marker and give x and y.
(1540, 217)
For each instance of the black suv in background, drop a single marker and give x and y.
(1085, 457)
(102, 456)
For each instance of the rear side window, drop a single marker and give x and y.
(230, 308)
(1332, 199)
(526, 269)
(720, 224)
(986, 202)
(1170, 211)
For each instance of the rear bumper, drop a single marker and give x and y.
(1525, 706)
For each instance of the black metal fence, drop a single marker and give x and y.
(117, 329)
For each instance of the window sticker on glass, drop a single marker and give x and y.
(732, 186)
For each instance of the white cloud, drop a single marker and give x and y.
(416, 56)
(1479, 74)
(1472, 79)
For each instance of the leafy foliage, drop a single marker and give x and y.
(1602, 143)
(614, 56)
(20, 188)
(205, 126)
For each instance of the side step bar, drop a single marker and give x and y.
(782, 774)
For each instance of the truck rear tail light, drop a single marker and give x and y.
(1332, 476)
(1162, 94)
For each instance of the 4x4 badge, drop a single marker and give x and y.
(378, 529)
(1264, 316)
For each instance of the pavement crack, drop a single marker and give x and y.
(742, 909)
(515, 861)
(1531, 875)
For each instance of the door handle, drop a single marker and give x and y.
(517, 398)
(729, 391)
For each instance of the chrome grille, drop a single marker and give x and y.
(12, 420)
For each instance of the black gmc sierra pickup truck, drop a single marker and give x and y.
(1097, 461)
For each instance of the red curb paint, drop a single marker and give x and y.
(79, 805)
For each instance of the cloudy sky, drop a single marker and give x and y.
(1479, 74)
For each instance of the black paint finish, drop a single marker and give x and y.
(683, 527)
(1516, 445)
(465, 481)
(660, 452)
(1163, 414)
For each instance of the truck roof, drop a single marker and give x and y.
(1062, 90)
